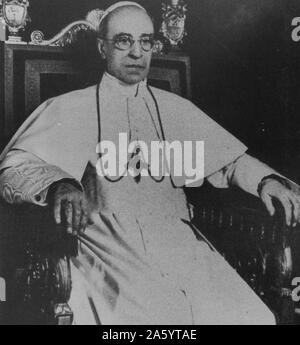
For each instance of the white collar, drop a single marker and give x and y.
(114, 86)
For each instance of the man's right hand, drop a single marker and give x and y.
(69, 206)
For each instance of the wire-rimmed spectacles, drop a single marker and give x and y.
(125, 42)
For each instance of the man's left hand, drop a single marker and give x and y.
(290, 200)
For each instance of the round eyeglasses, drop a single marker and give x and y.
(126, 42)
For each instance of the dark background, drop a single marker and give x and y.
(244, 66)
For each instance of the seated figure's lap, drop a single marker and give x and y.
(141, 264)
(213, 294)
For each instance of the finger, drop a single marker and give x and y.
(267, 200)
(68, 210)
(295, 209)
(83, 222)
(287, 208)
(76, 216)
(57, 210)
(84, 215)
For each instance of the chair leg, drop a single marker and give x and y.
(63, 314)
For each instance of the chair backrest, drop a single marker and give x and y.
(32, 74)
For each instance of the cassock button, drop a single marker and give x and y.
(38, 198)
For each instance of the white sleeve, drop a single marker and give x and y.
(26, 178)
(246, 172)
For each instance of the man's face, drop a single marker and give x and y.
(132, 65)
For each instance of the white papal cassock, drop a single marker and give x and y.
(140, 262)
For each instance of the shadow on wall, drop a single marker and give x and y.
(241, 60)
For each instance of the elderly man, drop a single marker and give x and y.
(139, 260)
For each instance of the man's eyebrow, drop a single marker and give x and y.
(122, 34)
(147, 35)
(127, 34)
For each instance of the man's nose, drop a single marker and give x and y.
(136, 50)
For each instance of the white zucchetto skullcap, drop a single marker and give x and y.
(118, 5)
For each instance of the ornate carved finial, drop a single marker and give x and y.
(173, 25)
(37, 37)
(15, 14)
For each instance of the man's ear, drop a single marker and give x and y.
(101, 48)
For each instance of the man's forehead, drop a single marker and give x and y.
(130, 20)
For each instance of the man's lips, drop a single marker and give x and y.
(136, 67)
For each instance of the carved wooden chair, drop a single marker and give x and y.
(34, 256)
(35, 253)
(262, 249)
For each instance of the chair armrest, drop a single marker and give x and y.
(35, 255)
(261, 248)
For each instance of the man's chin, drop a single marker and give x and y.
(133, 78)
